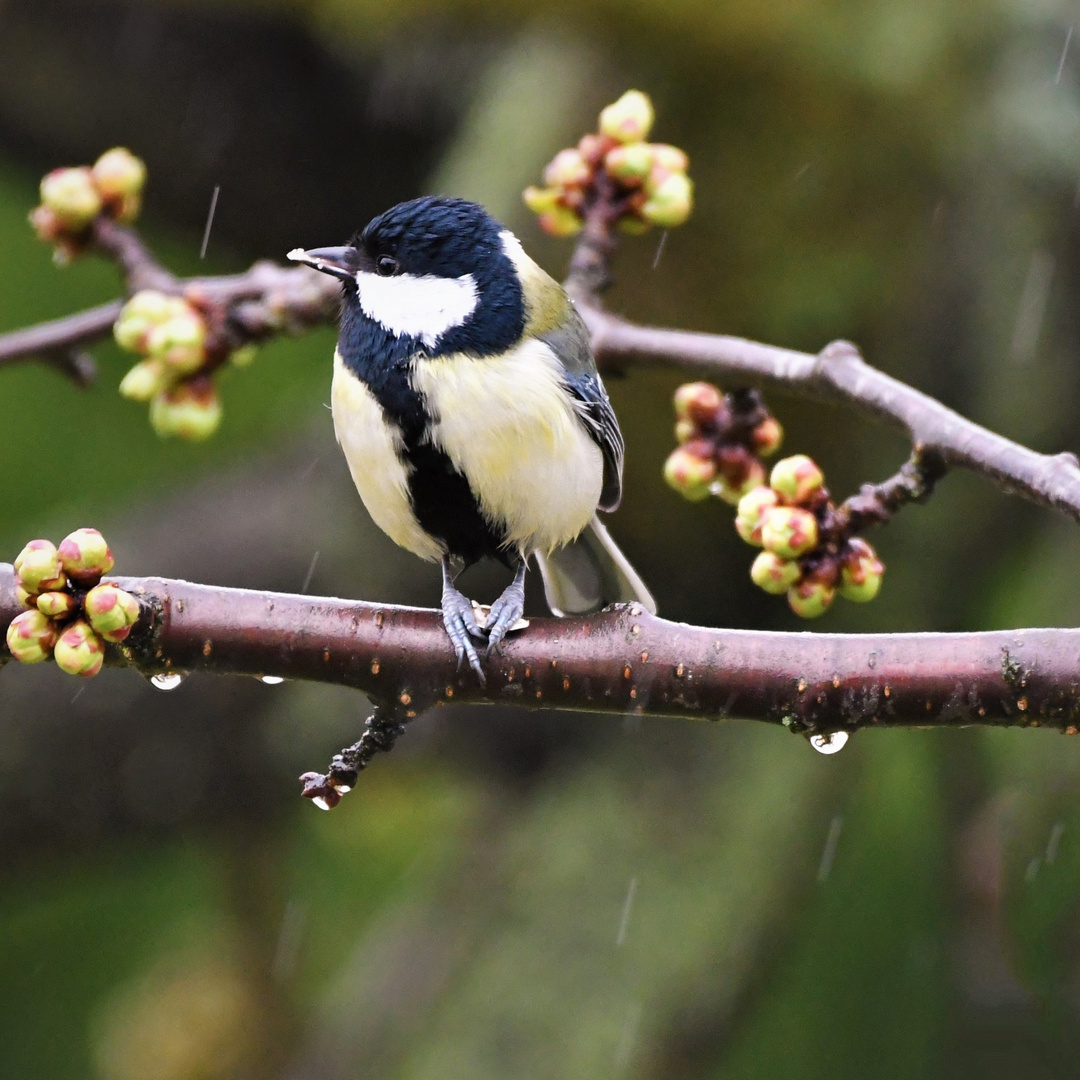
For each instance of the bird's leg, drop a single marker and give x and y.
(507, 609)
(460, 622)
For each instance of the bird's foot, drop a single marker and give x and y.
(507, 610)
(461, 628)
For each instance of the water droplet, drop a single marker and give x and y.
(832, 743)
(166, 680)
(272, 680)
(321, 803)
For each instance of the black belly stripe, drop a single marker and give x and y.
(442, 500)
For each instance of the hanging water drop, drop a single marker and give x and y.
(271, 680)
(166, 680)
(831, 743)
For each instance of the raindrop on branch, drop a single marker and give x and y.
(166, 680)
(831, 743)
(271, 680)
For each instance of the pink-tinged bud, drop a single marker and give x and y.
(594, 148)
(685, 430)
(670, 202)
(630, 164)
(561, 221)
(754, 506)
(767, 436)
(46, 224)
(39, 567)
(179, 342)
(85, 556)
(669, 158)
(541, 200)
(789, 532)
(79, 650)
(568, 168)
(795, 479)
(690, 472)
(700, 402)
(629, 119)
(773, 574)
(733, 483)
(144, 380)
(811, 598)
(112, 611)
(126, 208)
(118, 173)
(188, 410)
(56, 605)
(632, 226)
(31, 637)
(861, 572)
(72, 196)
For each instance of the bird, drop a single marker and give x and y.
(466, 400)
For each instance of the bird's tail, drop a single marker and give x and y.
(590, 573)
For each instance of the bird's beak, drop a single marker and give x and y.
(342, 262)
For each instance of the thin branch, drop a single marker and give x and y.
(622, 660)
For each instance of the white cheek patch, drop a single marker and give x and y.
(421, 307)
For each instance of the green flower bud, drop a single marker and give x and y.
(630, 165)
(700, 402)
(72, 196)
(732, 484)
(629, 119)
(789, 532)
(561, 221)
(541, 200)
(79, 650)
(773, 574)
(568, 168)
(685, 430)
(188, 410)
(669, 158)
(144, 380)
(796, 478)
(179, 342)
(861, 571)
(767, 436)
(39, 567)
(670, 202)
(754, 506)
(46, 224)
(145, 310)
(244, 356)
(31, 637)
(118, 173)
(112, 611)
(85, 556)
(811, 598)
(23, 595)
(690, 470)
(56, 605)
(632, 225)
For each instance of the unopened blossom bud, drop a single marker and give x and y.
(700, 402)
(561, 221)
(796, 478)
(118, 173)
(861, 571)
(669, 158)
(811, 597)
(144, 380)
(541, 200)
(79, 650)
(56, 605)
(23, 595)
(72, 196)
(85, 556)
(789, 532)
(773, 574)
(685, 430)
(629, 164)
(46, 224)
(754, 506)
(145, 310)
(690, 470)
(767, 436)
(594, 147)
(39, 567)
(736, 479)
(568, 168)
(670, 203)
(244, 356)
(629, 119)
(188, 410)
(31, 637)
(112, 611)
(179, 342)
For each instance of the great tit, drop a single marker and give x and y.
(468, 405)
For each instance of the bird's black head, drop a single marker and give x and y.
(434, 271)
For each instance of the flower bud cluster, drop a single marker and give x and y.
(807, 553)
(71, 612)
(71, 198)
(649, 179)
(180, 353)
(722, 438)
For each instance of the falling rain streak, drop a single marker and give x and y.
(1033, 298)
(827, 856)
(832, 743)
(166, 680)
(628, 904)
(209, 221)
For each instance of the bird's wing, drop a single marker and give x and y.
(570, 343)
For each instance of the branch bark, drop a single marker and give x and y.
(622, 660)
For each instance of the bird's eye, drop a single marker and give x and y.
(386, 266)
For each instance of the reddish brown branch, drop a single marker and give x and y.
(619, 661)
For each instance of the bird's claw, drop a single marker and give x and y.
(461, 628)
(506, 612)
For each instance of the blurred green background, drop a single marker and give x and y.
(525, 894)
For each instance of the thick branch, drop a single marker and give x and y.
(620, 661)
